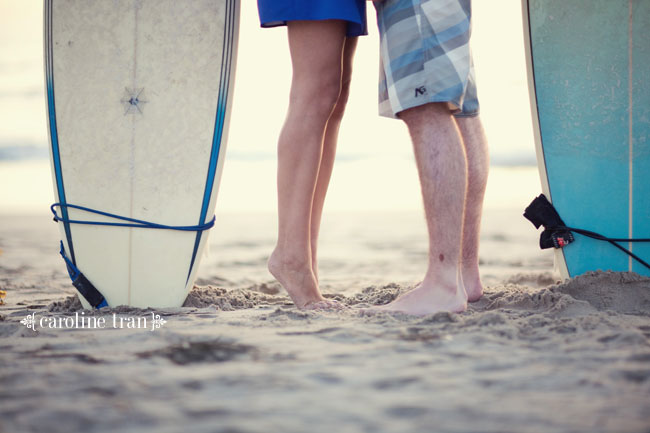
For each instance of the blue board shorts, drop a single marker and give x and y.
(275, 13)
(425, 56)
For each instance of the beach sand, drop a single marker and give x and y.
(535, 354)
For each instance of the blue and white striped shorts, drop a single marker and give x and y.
(425, 56)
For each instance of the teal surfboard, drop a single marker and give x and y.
(589, 81)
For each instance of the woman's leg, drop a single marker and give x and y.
(316, 50)
(329, 149)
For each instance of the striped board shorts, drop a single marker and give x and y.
(425, 56)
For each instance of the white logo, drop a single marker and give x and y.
(81, 321)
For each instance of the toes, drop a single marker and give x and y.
(336, 305)
(314, 305)
(372, 311)
(325, 304)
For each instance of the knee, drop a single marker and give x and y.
(342, 100)
(316, 96)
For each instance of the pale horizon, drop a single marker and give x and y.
(369, 146)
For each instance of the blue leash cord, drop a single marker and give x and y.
(131, 222)
(85, 287)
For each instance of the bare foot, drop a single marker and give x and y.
(327, 304)
(428, 299)
(473, 285)
(299, 281)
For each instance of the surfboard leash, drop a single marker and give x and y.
(79, 280)
(557, 234)
(130, 222)
(81, 283)
(612, 241)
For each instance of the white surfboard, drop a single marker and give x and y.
(138, 101)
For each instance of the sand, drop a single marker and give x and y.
(535, 354)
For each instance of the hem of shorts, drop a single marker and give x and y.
(472, 114)
(271, 24)
(392, 115)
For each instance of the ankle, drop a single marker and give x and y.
(470, 273)
(447, 277)
(289, 259)
(443, 285)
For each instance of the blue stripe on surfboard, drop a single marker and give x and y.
(219, 121)
(54, 137)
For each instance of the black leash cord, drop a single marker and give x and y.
(612, 241)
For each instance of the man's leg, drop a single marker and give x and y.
(329, 149)
(478, 164)
(316, 51)
(442, 167)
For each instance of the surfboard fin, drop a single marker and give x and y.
(542, 213)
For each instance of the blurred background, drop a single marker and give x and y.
(375, 169)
